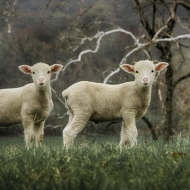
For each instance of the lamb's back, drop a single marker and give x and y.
(85, 91)
(103, 101)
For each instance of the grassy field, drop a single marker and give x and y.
(95, 163)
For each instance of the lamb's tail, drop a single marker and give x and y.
(66, 106)
(65, 95)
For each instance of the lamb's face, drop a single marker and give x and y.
(41, 72)
(144, 71)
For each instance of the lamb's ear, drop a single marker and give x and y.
(128, 68)
(161, 66)
(25, 69)
(56, 67)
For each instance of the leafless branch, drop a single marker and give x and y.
(139, 45)
(98, 36)
(185, 36)
(57, 96)
(180, 79)
(150, 126)
(182, 25)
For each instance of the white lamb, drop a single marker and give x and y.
(30, 104)
(102, 102)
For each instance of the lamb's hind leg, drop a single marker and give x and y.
(75, 125)
(64, 130)
(39, 133)
(128, 132)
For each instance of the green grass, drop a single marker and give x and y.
(95, 164)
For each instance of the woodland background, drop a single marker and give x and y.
(51, 31)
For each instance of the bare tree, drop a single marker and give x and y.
(164, 30)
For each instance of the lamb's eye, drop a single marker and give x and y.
(48, 72)
(152, 71)
(33, 72)
(137, 72)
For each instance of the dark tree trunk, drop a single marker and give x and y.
(168, 104)
(166, 55)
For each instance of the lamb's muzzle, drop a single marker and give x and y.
(41, 81)
(146, 81)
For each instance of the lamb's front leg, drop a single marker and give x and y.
(129, 131)
(39, 133)
(28, 132)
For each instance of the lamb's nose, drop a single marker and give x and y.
(146, 80)
(41, 80)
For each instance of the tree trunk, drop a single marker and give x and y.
(168, 105)
(167, 56)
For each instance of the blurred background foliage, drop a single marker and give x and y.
(50, 31)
